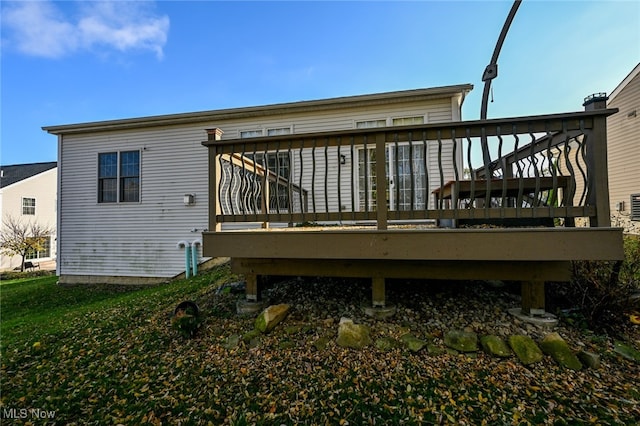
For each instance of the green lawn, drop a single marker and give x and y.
(104, 355)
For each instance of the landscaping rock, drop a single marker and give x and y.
(589, 359)
(350, 335)
(462, 341)
(435, 350)
(494, 345)
(555, 346)
(386, 344)
(627, 352)
(412, 343)
(321, 343)
(525, 349)
(250, 335)
(271, 317)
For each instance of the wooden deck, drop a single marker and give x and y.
(560, 176)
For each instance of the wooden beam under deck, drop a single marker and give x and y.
(502, 244)
(439, 270)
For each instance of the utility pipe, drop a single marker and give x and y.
(187, 256)
(194, 255)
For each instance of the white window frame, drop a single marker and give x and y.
(118, 178)
(28, 210)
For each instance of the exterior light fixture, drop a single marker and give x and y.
(189, 199)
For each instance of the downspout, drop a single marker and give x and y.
(194, 255)
(187, 256)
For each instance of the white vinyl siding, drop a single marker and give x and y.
(623, 147)
(139, 239)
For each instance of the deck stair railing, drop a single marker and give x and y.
(549, 166)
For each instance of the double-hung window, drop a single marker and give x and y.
(29, 206)
(119, 177)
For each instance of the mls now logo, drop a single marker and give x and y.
(23, 413)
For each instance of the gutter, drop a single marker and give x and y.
(261, 111)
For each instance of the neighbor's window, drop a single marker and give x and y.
(407, 121)
(250, 133)
(370, 123)
(45, 250)
(277, 131)
(119, 177)
(29, 206)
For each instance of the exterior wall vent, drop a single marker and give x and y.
(635, 206)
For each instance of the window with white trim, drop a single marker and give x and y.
(368, 124)
(408, 121)
(119, 177)
(250, 133)
(278, 162)
(29, 206)
(43, 250)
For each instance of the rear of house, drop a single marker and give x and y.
(130, 190)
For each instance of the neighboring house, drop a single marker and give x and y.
(28, 193)
(623, 133)
(130, 190)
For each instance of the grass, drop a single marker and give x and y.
(104, 355)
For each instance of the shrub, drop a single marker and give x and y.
(600, 291)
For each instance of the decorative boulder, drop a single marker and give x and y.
(386, 344)
(494, 345)
(559, 350)
(271, 317)
(461, 341)
(627, 352)
(589, 359)
(350, 335)
(526, 349)
(412, 342)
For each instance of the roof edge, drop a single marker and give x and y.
(272, 109)
(634, 72)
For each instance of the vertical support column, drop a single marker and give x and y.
(533, 298)
(378, 292)
(598, 174)
(381, 181)
(252, 287)
(214, 180)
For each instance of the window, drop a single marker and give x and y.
(44, 250)
(29, 206)
(635, 206)
(278, 162)
(407, 121)
(277, 131)
(250, 133)
(119, 177)
(370, 123)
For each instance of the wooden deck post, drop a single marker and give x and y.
(252, 290)
(214, 181)
(378, 292)
(533, 298)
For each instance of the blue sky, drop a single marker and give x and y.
(72, 62)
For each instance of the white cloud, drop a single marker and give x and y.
(40, 28)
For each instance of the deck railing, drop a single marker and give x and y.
(540, 167)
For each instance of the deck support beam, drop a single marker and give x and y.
(533, 298)
(378, 292)
(252, 288)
